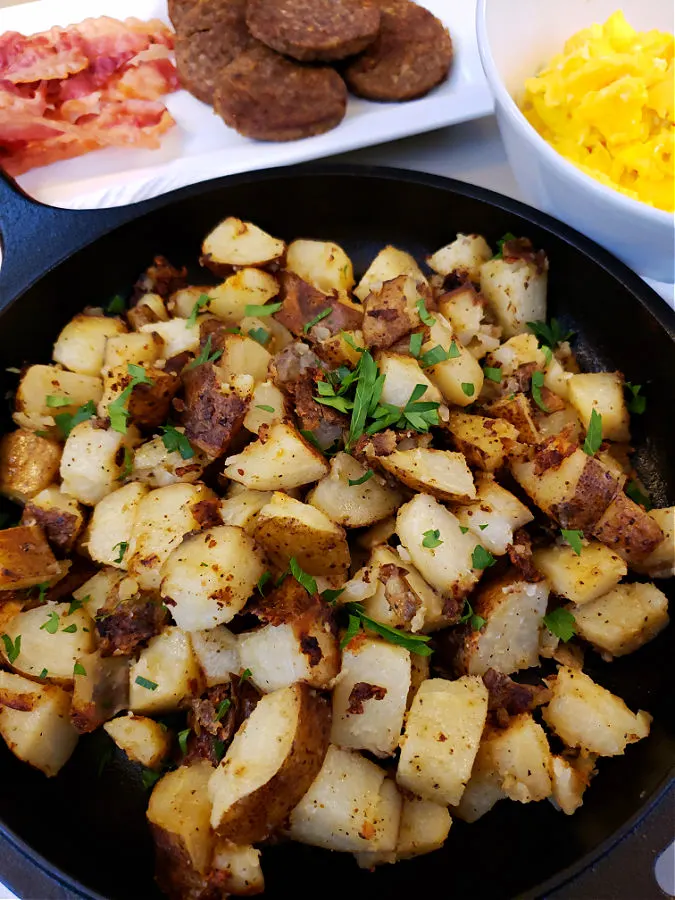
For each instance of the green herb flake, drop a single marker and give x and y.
(149, 778)
(245, 675)
(477, 622)
(463, 529)
(79, 669)
(416, 643)
(574, 539)
(265, 407)
(12, 648)
(116, 306)
(483, 527)
(322, 315)
(123, 547)
(42, 588)
(69, 629)
(117, 410)
(415, 344)
(183, 739)
(54, 402)
(51, 626)
(438, 355)
(219, 749)
(469, 388)
(500, 244)
(146, 683)
(432, 539)
(65, 422)
(353, 628)
(492, 374)
(138, 374)
(425, 316)
(205, 355)
(260, 335)
(175, 440)
(551, 335)
(362, 480)
(593, 434)
(202, 301)
(262, 581)
(561, 623)
(482, 558)
(633, 491)
(223, 707)
(127, 465)
(537, 385)
(310, 437)
(43, 673)
(330, 595)
(548, 356)
(269, 309)
(307, 581)
(637, 402)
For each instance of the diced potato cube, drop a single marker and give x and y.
(282, 461)
(568, 783)
(156, 466)
(494, 515)
(661, 561)
(80, 346)
(388, 264)
(602, 392)
(217, 652)
(243, 356)
(516, 293)
(268, 405)
(237, 243)
(177, 335)
(40, 382)
(60, 516)
(90, 465)
(99, 588)
(323, 264)
(353, 505)
(28, 464)
(242, 509)
(464, 310)
(580, 578)
(134, 348)
(246, 287)
(462, 257)
(26, 558)
(402, 374)
(424, 828)
(441, 473)
(239, 866)
(143, 740)
(485, 442)
(165, 674)
(459, 378)
(521, 758)
(111, 524)
(623, 619)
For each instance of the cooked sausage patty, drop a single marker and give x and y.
(265, 96)
(178, 9)
(411, 55)
(209, 37)
(311, 30)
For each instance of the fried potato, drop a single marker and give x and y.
(90, 465)
(580, 578)
(217, 652)
(111, 524)
(101, 690)
(97, 590)
(143, 740)
(623, 619)
(515, 292)
(136, 348)
(246, 287)
(517, 409)
(459, 378)
(270, 764)
(239, 867)
(602, 392)
(520, 756)
(165, 675)
(464, 309)
(81, 345)
(483, 789)
(177, 335)
(661, 561)
(155, 466)
(236, 243)
(33, 409)
(442, 474)
(28, 464)
(424, 828)
(568, 784)
(494, 515)
(149, 308)
(323, 264)
(267, 406)
(287, 528)
(242, 509)
(388, 264)
(243, 356)
(283, 460)
(628, 530)
(60, 516)
(26, 558)
(353, 505)
(402, 375)
(486, 443)
(462, 257)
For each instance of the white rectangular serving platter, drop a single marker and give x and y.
(201, 146)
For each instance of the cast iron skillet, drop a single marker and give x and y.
(88, 830)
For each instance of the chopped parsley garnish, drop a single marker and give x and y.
(593, 434)
(482, 558)
(438, 355)
(328, 397)
(202, 300)
(205, 355)
(117, 410)
(262, 581)
(548, 355)
(127, 464)
(70, 629)
(43, 673)
(637, 403)
(483, 527)
(123, 547)
(492, 373)
(574, 539)
(75, 605)
(500, 244)
(146, 683)
(223, 707)
(561, 623)
(366, 397)
(79, 669)
(633, 491)
(468, 615)
(312, 322)
(424, 313)
(266, 310)
(175, 440)
(469, 388)
(463, 529)
(260, 335)
(265, 407)
(245, 675)
(431, 539)
(43, 587)
(353, 628)
(416, 643)
(219, 749)
(51, 626)
(362, 480)
(310, 437)
(330, 595)
(150, 778)
(415, 344)
(116, 306)
(12, 648)
(552, 335)
(54, 402)
(65, 422)
(537, 385)
(307, 581)
(415, 415)
(182, 740)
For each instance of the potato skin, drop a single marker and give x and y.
(28, 464)
(253, 817)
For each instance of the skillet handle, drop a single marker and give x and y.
(36, 237)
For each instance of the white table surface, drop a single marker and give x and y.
(471, 152)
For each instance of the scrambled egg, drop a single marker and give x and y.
(606, 104)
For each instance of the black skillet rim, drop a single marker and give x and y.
(641, 292)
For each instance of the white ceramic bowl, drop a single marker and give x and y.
(516, 38)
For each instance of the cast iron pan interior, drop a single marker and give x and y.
(89, 830)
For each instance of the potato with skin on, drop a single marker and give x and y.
(217, 652)
(39, 382)
(101, 690)
(441, 738)
(90, 465)
(388, 264)
(242, 509)
(390, 312)
(52, 638)
(518, 410)
(369, 696)
(521, 758)
(624, 619)
(602, 392)
(486, 443)
(239, 866)
(111, 524)
(178, 814)
(583, 714)
(29, 463)
(351, 806)
(661, 561)
(441, 473)
(149, 308)
(448, 566)
(402, 374)
(35, 722)
(288, 528)
(164, 516)
(271, 763)
(143, 740)
(59, 515)
(323, 264)
(515, 291)
(282, 461)
(628, 530)
(234, 243)
(519, 350)
(149, 402)
(509, 640)
(26, 558)
(169, 663)
(580, 578)
(210, 576)
(494, 515)
(353, 505)
(462, 257)
(81, 345)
